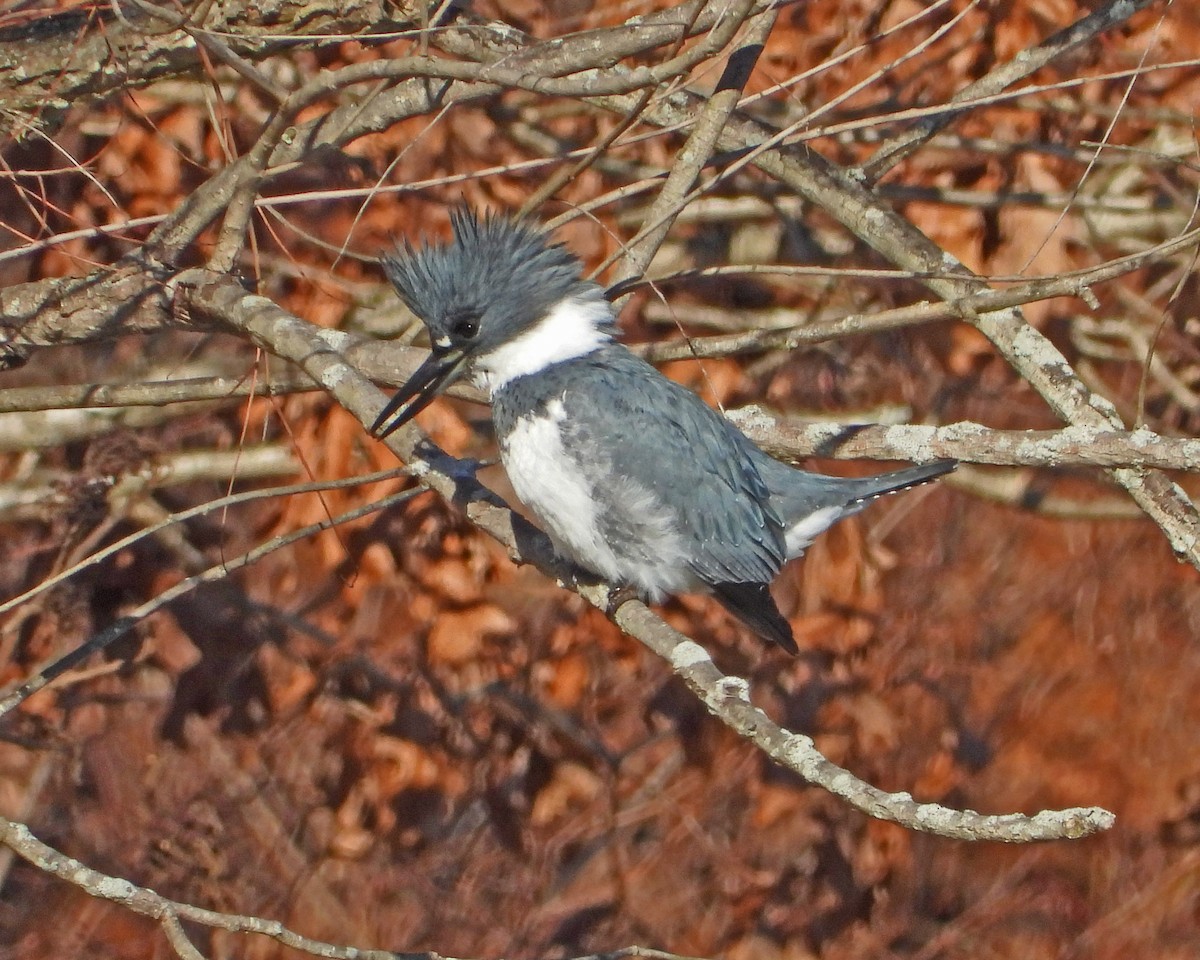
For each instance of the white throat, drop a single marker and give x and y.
(573, 328)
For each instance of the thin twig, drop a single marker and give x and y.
(1025, 64)
(122, 625)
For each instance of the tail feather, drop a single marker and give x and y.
(865, 489)
(809, 503)
(753, 604)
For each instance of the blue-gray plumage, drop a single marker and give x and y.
(634, 477)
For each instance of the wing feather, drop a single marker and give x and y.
(660, 434)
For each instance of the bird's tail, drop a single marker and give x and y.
(808, 503)
(866, 489)
(753, 604)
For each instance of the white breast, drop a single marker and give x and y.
(573, 328)
(562, 493)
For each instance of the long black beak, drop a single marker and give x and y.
(439, 370)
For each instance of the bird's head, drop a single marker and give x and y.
(491, 284)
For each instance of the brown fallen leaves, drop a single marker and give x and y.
(391, 736)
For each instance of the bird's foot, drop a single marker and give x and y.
(574, 577)
(461, 469)
(620, 595)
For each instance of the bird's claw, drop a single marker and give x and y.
(620, 595)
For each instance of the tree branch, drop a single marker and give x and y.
(972, 442)
(68, 59)
(727, 698)
(146, 902)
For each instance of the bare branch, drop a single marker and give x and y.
(727, 698)
(79, 56)
(146, 902)
(121, 626)
(41, 492)
(1028, 62)
(971, 442)
(701, 142)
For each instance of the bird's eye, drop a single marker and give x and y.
(464, 326)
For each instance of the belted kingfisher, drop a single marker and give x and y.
(634, 477)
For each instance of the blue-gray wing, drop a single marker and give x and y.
(694, 462)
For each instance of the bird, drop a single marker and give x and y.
(633, 476)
